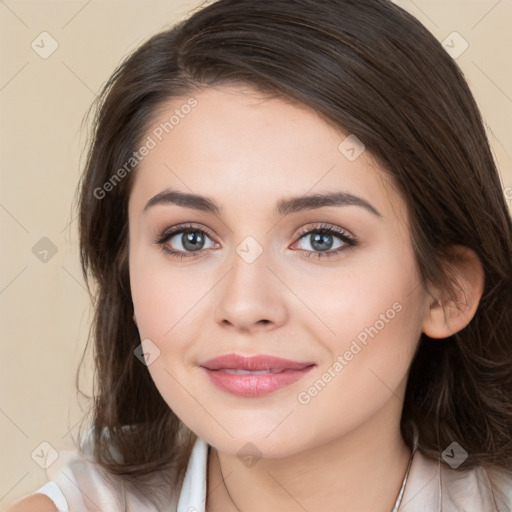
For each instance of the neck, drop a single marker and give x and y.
(359, 471)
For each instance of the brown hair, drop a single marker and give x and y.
(352, 61)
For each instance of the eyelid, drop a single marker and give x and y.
(161, 237)
(326, 227)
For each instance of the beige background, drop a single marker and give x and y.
(44, 308)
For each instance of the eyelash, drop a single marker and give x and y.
(349, 241)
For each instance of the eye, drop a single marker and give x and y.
(189, 241)
(321, 239)
(183, 241)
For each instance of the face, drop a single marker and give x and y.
(331, 286)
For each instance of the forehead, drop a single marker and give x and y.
(243, 148)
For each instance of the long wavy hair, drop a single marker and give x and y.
(370, 69)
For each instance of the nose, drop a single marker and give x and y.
(251, 296)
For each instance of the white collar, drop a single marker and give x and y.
(193, 490)
(431, 486)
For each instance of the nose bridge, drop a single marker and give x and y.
(250, 293)
(249, 266)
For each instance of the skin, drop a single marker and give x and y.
(35, 503)
(248, 152)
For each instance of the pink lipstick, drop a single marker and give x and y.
(254, 376)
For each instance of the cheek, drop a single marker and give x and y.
(377, 327)
(374, 316)
(377, 295)
(164, 299)
(163, 294)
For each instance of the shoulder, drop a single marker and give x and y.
(34, 503)
(480, 488)
(77, 483)
(497, 482)
(435, 485)
(86, 485)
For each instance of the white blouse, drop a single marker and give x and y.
(430, 486)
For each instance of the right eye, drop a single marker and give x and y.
(186, 240)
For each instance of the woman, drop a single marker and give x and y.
(303, 260)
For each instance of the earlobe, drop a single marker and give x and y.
(444, 317)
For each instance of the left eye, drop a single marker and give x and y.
(322, 240)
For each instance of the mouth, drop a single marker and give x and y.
(253, 364)
(240, 371)
(254, 376)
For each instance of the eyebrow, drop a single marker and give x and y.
(283, 207)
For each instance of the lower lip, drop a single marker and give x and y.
(254, 385)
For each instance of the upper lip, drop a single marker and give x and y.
(253, 363)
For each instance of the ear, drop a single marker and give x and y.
(135, 319)
(444, 317)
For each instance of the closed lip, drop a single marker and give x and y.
(253, 363)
